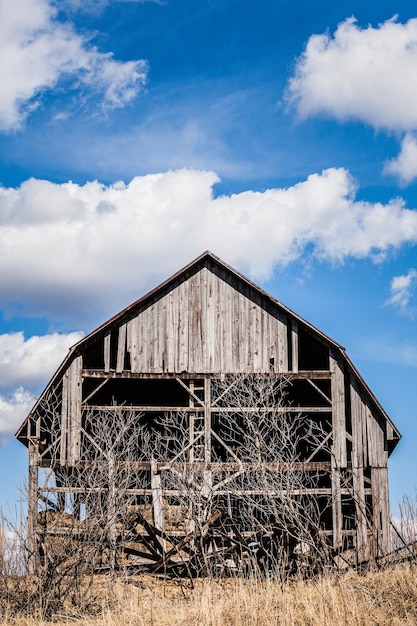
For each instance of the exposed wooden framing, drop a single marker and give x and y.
(189, 390)
(319, 447)
(319, 391)
(93, 393)
(145, 408)
(157, 500)
(97, 373)
(319, 491)
(312, 466)
(336, 506)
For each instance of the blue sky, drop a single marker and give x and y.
(280, 135)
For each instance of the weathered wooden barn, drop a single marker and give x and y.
(207, 416)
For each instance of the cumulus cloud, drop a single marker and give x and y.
(13, 410)
(404, 166)
(31, 361)
(90, 248)
(360, 73)
(25, 365)
(37, 51)
(402, 290)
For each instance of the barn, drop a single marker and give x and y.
(208, 424)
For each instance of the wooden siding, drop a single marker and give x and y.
(71, 413)
(206, 325)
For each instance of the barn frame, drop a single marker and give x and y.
(173, 357)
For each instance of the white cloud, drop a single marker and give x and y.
(368, 74)
(402, 290)
(26, 364)
(32, 361)
(13, 410)
(75, 250)
(405, 164)
(37, 52)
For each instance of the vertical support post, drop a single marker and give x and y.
(32, 543)
(336, 506)
(111, 511)
(207, 420)
(207, 475)
(157, 501)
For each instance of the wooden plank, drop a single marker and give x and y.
(64, 419)
(32, 544)
(98, 373)
(206, 327)
(362, 551)
(74, 410)
(181, 544)
(132, 344)
(157, 498)
(106, 352)
(282, 344)
(182, 307)
(121, 349)
(242, 354)
(338, 411)
(337, 519)
(294, 346)
(257, 338)
(236, 409)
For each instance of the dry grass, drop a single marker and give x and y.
(377, 598)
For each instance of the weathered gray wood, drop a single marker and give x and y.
(64, 419)
(106, 351)
(282, 345)
(338, 411)
(361, 517)
(206, 325)
(71, 413)
(380, 502)
(157, 501)
(336, 506)
(294, 346)
(32, 544)
(121, 349)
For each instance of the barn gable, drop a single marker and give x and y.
(164, 353)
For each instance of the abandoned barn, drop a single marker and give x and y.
(208, 421)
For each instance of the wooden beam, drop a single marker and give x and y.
(294, 346)
(338, 411)
(121, 349)
(157, 500)
(106, 352)
(32, 542)
(100, 373)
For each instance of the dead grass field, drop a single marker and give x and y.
(377, 598)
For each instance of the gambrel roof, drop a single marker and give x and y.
(208, 319)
